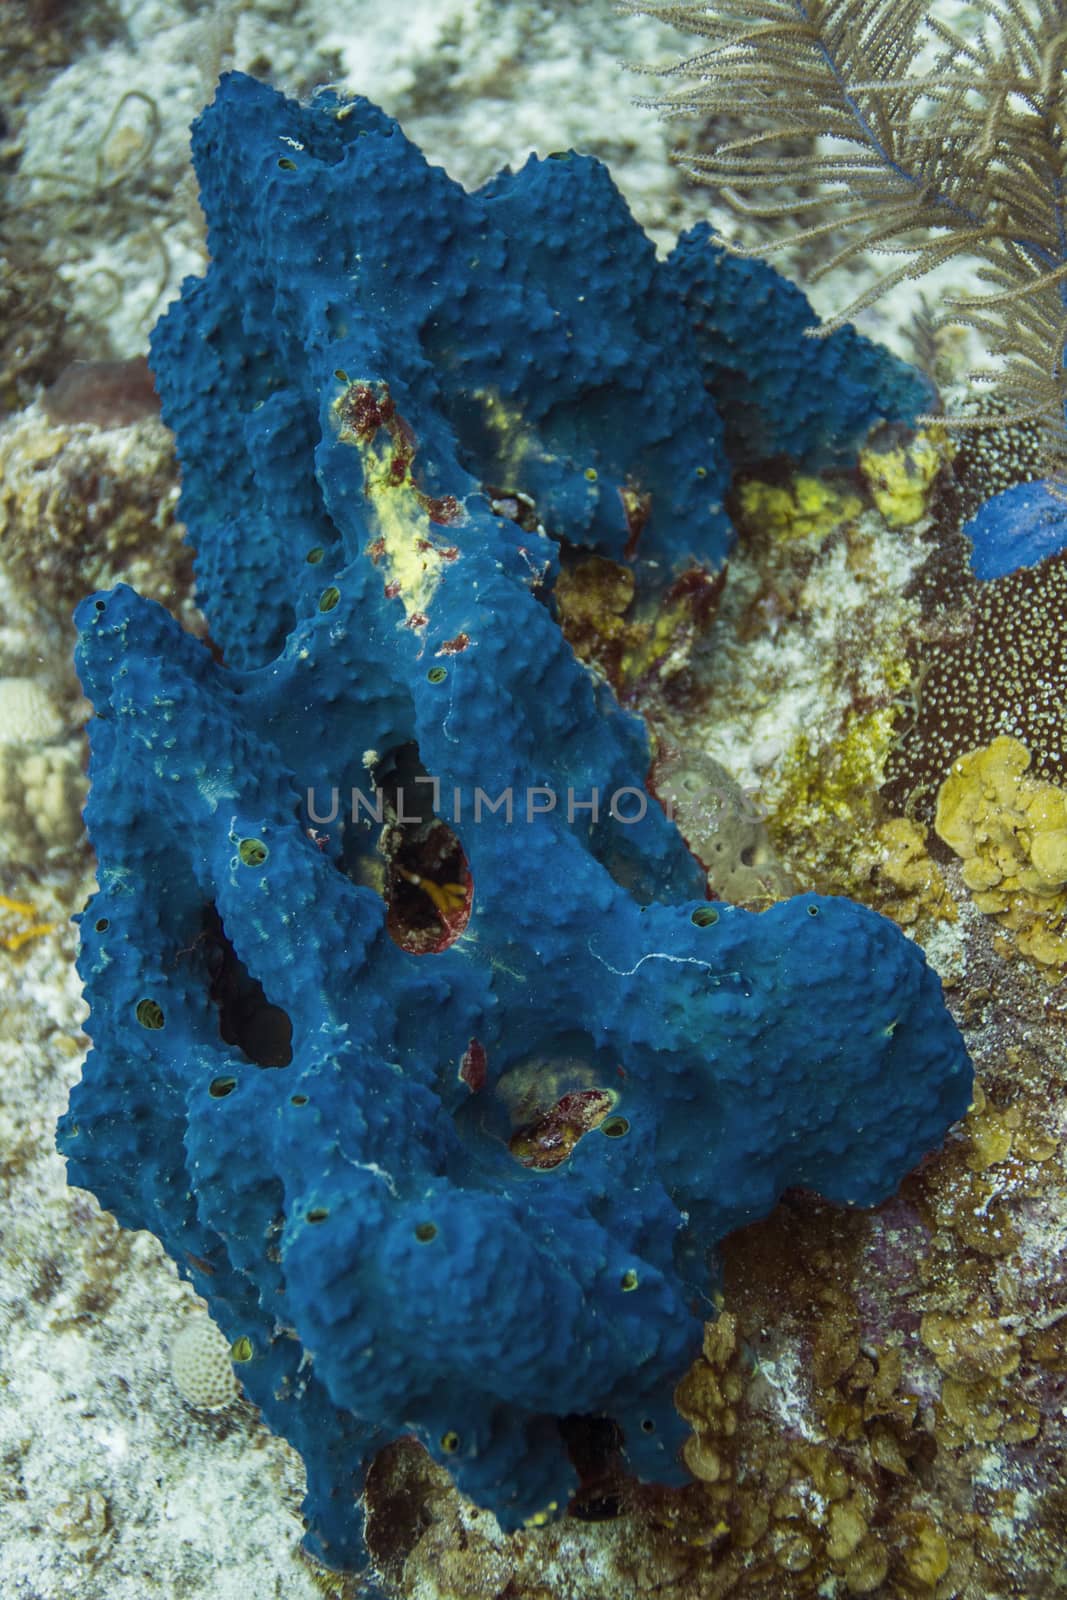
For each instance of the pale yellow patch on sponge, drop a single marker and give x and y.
(407, 516)
(413, 560)
(514, 441)
(1010, 831)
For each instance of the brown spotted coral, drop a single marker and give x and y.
(996, 665)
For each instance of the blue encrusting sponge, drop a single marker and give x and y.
(466, 1186)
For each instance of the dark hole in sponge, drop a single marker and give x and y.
(260, 1030)
(594, 1445)
(428, 886)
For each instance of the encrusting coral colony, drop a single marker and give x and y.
(460, 1017)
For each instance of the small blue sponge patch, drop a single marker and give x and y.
(1017, 528)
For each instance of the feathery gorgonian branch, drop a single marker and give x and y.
(959, 153)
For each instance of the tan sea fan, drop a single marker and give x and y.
(922, 141)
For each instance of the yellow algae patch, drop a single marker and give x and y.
(899, 478)
(824, 803)
(992, 1131)
(1010, 831)
(807, 509)
(914, 882)
(972, 1345)
(708, 1397)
